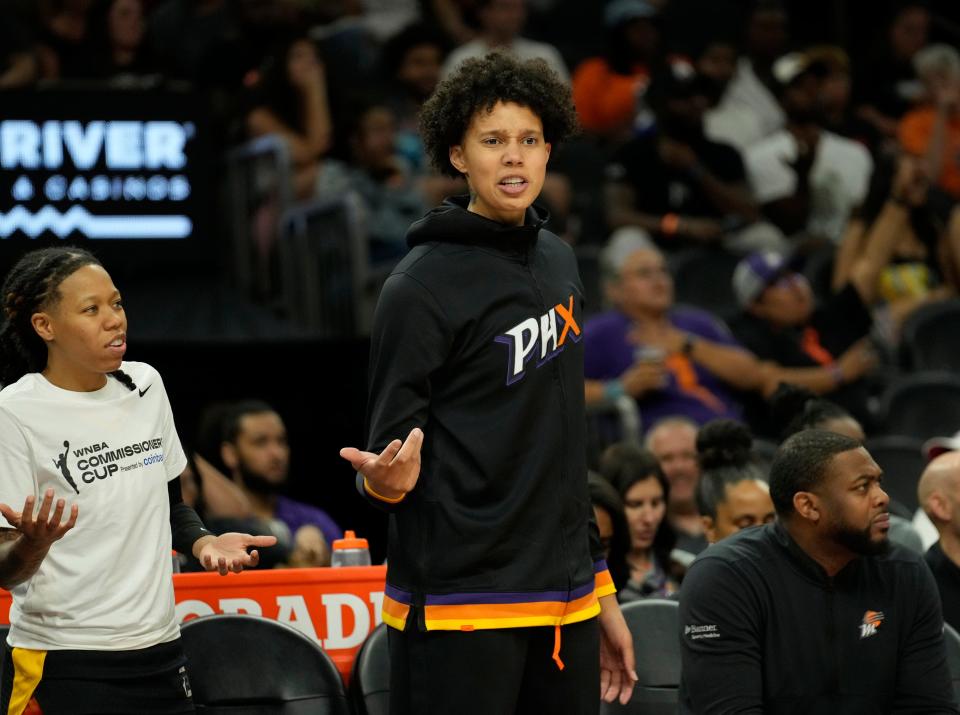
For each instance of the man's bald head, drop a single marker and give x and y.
(939, 490)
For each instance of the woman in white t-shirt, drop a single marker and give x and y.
(93, 628)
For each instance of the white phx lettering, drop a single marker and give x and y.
(123, 144)
(524, 337)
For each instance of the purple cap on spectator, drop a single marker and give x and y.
(621, 11)
(755, 273)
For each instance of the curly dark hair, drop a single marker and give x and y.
(478, 84)
(32, 285)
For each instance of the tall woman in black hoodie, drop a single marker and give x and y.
(497, 594)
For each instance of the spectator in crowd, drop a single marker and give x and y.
(760, 612)
(933, 130)
(653, 571)
(410, 63)
(199, 40)
(256, 452)
(676, 184)
(725, 121)
(885, 82)
(501, 22)
(391, 195)
(674, 361)
(835, 86)
(807, 180)
(224, 507)
(673, 441)
(780, 322)
(733, 493)
(608, 89)
(794, 409)
(62, 42)
(18, 61)
(611, 526)
(924, 264)
(117, 47)
(751, 87)
(939, 495)
(291, 102)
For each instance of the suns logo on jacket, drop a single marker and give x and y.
(871, 622)
(544, 337)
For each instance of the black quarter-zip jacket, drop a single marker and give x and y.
(765, 630)
(477, 340)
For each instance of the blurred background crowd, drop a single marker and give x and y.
(763, 192)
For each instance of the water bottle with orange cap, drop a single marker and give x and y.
(350, 551)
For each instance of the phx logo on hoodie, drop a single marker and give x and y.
(544, 337)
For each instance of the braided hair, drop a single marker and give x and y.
(30, 286)
(723, 450)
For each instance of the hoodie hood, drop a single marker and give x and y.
(451, 222)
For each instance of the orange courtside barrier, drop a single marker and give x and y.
(336, 607)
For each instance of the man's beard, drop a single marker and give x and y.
(259, 484)
(859, 542)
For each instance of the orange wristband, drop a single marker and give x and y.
(388, 500)
(669, 224)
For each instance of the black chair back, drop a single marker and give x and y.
(242, 665)
(902, 461)
(370, 680)
(952, 640)
(922, 405)
(931, 337)
(655, 625)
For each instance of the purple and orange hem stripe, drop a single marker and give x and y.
(504, 609)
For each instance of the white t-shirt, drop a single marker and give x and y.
(747, 91)
(106, 585)
(839, 177)
(522, 48)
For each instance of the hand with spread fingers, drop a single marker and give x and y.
(228, 552)
(395, 471)
(45, 528)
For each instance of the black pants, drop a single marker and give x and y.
(495, 672)
(76, 682)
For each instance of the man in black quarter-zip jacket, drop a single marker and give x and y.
(816, 613)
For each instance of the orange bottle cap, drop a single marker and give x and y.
(350, 541)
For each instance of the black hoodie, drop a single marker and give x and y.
(476, 340)
(764, 629)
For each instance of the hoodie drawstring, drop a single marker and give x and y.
(556, 647)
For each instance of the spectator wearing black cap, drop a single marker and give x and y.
(608, 89)
(677, 184)
(808, 181)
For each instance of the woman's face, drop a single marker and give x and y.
(125, 23)
(504, 157)
(87, 327)
(645, 508)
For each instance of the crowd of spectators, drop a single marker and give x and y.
(739, 128)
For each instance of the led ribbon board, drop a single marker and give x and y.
(99, 164)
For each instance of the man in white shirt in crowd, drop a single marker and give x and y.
(807, 180)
